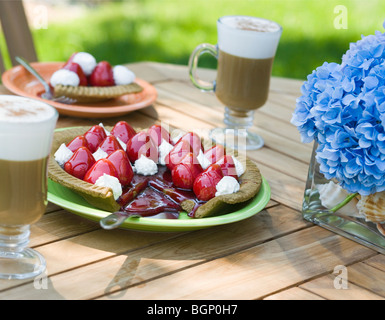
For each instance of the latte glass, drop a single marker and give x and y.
(245, 51)
(26, 131)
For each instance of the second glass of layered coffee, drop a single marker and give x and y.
(245, 51)
(26, 131)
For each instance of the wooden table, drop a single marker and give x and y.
(272, 255)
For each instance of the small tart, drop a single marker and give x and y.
(250, 184)
(99, 197)
(102, 197)
(86, 94)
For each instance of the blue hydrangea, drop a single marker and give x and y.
(342, 108)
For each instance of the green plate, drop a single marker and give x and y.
(72, 202)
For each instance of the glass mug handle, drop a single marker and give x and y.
(193, 64)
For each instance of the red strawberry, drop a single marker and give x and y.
(177, 154)
(142, 144)
(157, 133)
(94, 136)
(71, 58)
(122, 165)
(194, 140)
(76, 143)
(123, 131)
(205, 184)
(228, 166)
(73, 66)
(102, 76)
(110, 144)
(185, 172)
(215, 153)
(100, 167)
(80, 162)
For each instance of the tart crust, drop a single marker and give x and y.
(86, 94)
(102, 197)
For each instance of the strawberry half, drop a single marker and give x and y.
(102, 75)
(77, 142)
(215, 153)
(100, 167)
(142, 144)
(158, 133)
(110, 144)
(123, 131)
(73, 66)
(94, 136)
(122, 165)
(80, 162)
(177, 153)
(205, 184)
(184, 173)
(71, 58)
(228, 166)
(194, 140)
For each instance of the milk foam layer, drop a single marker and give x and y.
(26, 128)
(248, 37)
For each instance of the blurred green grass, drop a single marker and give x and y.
(168, 30)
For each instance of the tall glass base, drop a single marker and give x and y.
(16, 260)
(236, 135)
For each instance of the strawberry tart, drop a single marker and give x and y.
(86, 80)
(150, 172)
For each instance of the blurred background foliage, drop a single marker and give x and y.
(168, 30)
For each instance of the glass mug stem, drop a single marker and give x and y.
(193, 65)
(16, 259)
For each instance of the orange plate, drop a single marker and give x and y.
(19, 81)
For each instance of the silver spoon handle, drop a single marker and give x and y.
(26, 65)
(114, 220)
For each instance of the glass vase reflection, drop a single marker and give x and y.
(327, 205)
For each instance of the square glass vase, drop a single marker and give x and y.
(345, 221)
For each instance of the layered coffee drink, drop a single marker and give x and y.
(243, 83)
(245, 51)
(26, 128)
(24, 179)
(247, 48)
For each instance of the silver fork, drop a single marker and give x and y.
(48, 91)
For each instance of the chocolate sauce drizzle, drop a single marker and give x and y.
(151, 195)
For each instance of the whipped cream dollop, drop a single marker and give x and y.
(239, 168)
(227, 185)
(108, 133)
(163, 150)
(110, 182)
(100, 154)
(203, 161)
(145, 166)
(122, 75)
(63, 154)
(86, 61)
(64, 77)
